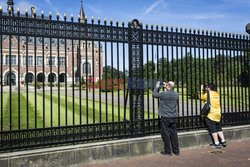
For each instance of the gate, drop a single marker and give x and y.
(93, 81)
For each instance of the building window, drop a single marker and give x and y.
(39, 61)
(86, 68)
(30, 61)
(52, 61)
(61, 61)
(13, 60)
(24, 60)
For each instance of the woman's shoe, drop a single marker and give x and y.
(224, 144)
(218, 146)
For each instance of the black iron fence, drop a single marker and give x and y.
(66, 82)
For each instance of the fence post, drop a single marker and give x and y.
(136, 85)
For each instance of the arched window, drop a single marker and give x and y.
(29, 77)
(86, 68)
(10, 78)
(40, 77)
(52, 77)
(62, 77)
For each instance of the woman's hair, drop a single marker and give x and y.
(212, 86)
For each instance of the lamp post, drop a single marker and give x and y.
(248, 28)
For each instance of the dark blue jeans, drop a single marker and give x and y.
(169, 135)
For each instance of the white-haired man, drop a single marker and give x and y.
(168, 113)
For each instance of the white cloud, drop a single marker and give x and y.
(3, 5)
(23, 5)
(205, 16)
(245, 2)
(94, 9)
(53, 8)
(152, 7)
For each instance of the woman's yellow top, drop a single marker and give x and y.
(215, 110)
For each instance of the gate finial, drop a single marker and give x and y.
(10, 5)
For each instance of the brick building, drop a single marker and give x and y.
(50, 60)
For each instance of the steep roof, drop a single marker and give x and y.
(82, 14)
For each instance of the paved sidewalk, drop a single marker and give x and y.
(236, 154)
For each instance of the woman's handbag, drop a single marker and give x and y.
(206, 108)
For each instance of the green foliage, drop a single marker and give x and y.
(110, 79)
(190, 72)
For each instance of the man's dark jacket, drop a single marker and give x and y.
(168, 102)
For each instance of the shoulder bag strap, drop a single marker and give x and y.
(208, 98)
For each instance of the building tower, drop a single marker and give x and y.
(81, 14)
(10, 4)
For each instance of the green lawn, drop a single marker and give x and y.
(69, 116)
(58, 111)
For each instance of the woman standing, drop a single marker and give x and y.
(213, 119)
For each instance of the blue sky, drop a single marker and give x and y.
(219, 15)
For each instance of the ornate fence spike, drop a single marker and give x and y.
(26, 12)
(57, 15)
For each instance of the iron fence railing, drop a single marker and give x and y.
(66, 82)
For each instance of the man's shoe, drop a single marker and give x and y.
(177, 154)
(165, 153)
(224, 144)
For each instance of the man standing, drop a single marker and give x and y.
(168, 113)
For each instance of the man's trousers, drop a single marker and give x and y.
(169, 135)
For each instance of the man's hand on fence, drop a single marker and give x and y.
(158, 84)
